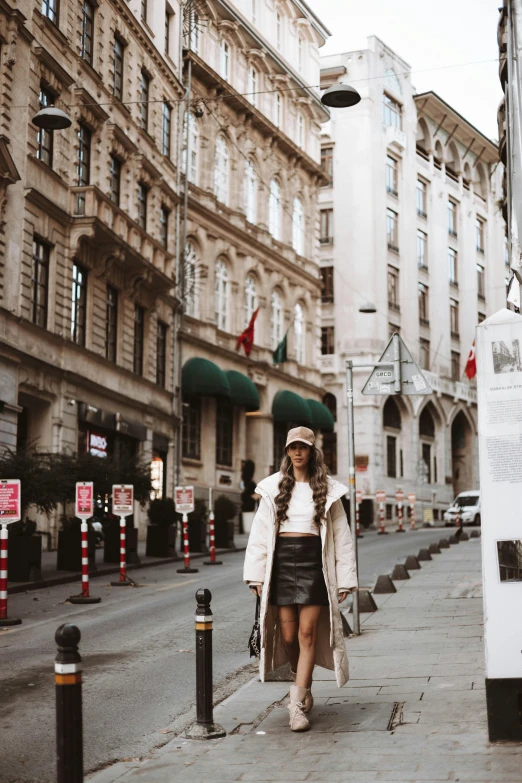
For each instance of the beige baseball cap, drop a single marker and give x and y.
(302, 434)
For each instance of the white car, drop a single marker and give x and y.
(468, 504)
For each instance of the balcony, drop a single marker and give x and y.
(455, 389)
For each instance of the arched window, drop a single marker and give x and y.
(276, 320)
(250, 192)
(221, 170)
(279, 30)
(250, 298)
(274, 210)
(221, 298)
(391, 415)
(299, 332)
(300, 130)
(391, 82)
(300, 53)
(298, 227)
(428, 461)
(190, 282)
(191, 139)
(480, 182)
(252, 86)
(438, 155)
(391, 420)
(426, 424)
(330, 400)
(224, 59)
(278, 110)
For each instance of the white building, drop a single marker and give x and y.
(411, 222)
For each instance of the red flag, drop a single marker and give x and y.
(246, 338)
(471, 364)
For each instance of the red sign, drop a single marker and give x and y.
(84, 499)
(380, 496)
(9, 501)
(122, 499)
(358, 496)
(184, 500)
(399, 495)
(412, 498)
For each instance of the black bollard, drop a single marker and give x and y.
(69, 728)
(204, 727)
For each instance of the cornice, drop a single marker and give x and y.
(54, 66)
(39, 200)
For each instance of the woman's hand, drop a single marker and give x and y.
(257, 589)
(342, 596)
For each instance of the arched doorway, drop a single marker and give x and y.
(461, 454)
(428, 457)
(392, 425)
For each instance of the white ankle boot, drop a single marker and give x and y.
(296, 708)
(308, 699)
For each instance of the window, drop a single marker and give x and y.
(252, 86)
(479, 233)
(424, 312)
(194, 32)
(274, 210)
(391, 456)
(161, 354)
(298, 227)
(327, 284)
(452, 266)
(300, 53)
(84, 156)
(221, 296)
(139, 339)
(224, 60)
(300, 131)
(393, 288)
(392, 226)
(454, 317)
(164, 225)
(144, 100)
(391, 112)
(276, 320)
(143, 193)
(422, 250)
(144, 9)
(190, 281)
(221, 167)
(279, 31)
(191, 145)
(327, 160)
(169, 16)
(481, 317)
(191, 439)
(224, 433)
(115, 180)
(250, 192)
(299, 333)
(426, 458)
(111, 323)
(326, 228)
(455, 366)
(327, 340)
(424, 354)
(278, 109)
(391, 176)
(452, 218)
(117, 88)
(422, 198)
(250, 299)
(40, 283)
(78, 304)
(165, 128)
(50, 9)
(481, 284)
(45, 137)
(87, 31)
(391, 415)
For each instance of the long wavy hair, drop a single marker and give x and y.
(318, 477)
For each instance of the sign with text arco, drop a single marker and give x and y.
(84, 499)
(399, 496)
(122, 499)
(380, 496)
(184, 500)
(10, 498)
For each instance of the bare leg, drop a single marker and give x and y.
(308, 622)
(288, 621)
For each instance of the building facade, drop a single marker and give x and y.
(410, 222)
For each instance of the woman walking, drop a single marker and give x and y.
(300, 560)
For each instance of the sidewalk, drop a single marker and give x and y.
(414, 709)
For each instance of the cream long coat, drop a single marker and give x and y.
(339, 571)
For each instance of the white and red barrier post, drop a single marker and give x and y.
(84, 507)
(380, 497)
(411, 500)
(358, 501)
(123, 506)
(10, 508)
(211, 533)
(457, 517)
(399, 497)
(184, 502)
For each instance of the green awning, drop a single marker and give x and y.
(322, 418)
(242, 391)
(290, 407)
(203, 377)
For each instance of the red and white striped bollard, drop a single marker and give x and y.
(84, 597)
(186, 556)
(123, 580)
(357, 522)
(400, 529)
(212, 541)
(412, 516)
(4, 619)
(382, 531)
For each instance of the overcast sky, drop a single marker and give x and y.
(429, 34)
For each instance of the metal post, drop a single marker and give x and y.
(69, 728)
(382, 531)
(124, 581)
(84, 597)
(204, 727)
(397, 370)
(400, 529)
(186, 569)
(351, 480)
(4, 619)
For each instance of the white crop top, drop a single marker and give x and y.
(301, 510)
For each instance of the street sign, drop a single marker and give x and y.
(358, 496)
(412, 498)
(399, 496)
(396, 372)
(184, 499)
(84, 499)
(10, 498)
(380, 496)
(122, 499)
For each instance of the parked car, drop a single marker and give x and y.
(468, 504)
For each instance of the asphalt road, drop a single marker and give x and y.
(138, 651)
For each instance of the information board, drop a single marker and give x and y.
(184, 500)
(84, 499)
(10, 498)
(412, 498)
(380, 496)
(399, 496)
(122, 499)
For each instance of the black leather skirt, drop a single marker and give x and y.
(297, 573)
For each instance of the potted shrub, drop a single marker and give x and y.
(111, 541)
(224, 512)
(24, 552)
(197, 527)
(70, 546)
(161, 532)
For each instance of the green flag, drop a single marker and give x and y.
(279, 355)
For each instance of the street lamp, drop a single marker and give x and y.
(368, 307)
(340, 96)
(50, 118)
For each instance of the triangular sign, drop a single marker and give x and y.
(382, 379)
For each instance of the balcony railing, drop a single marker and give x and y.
(458, 390)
